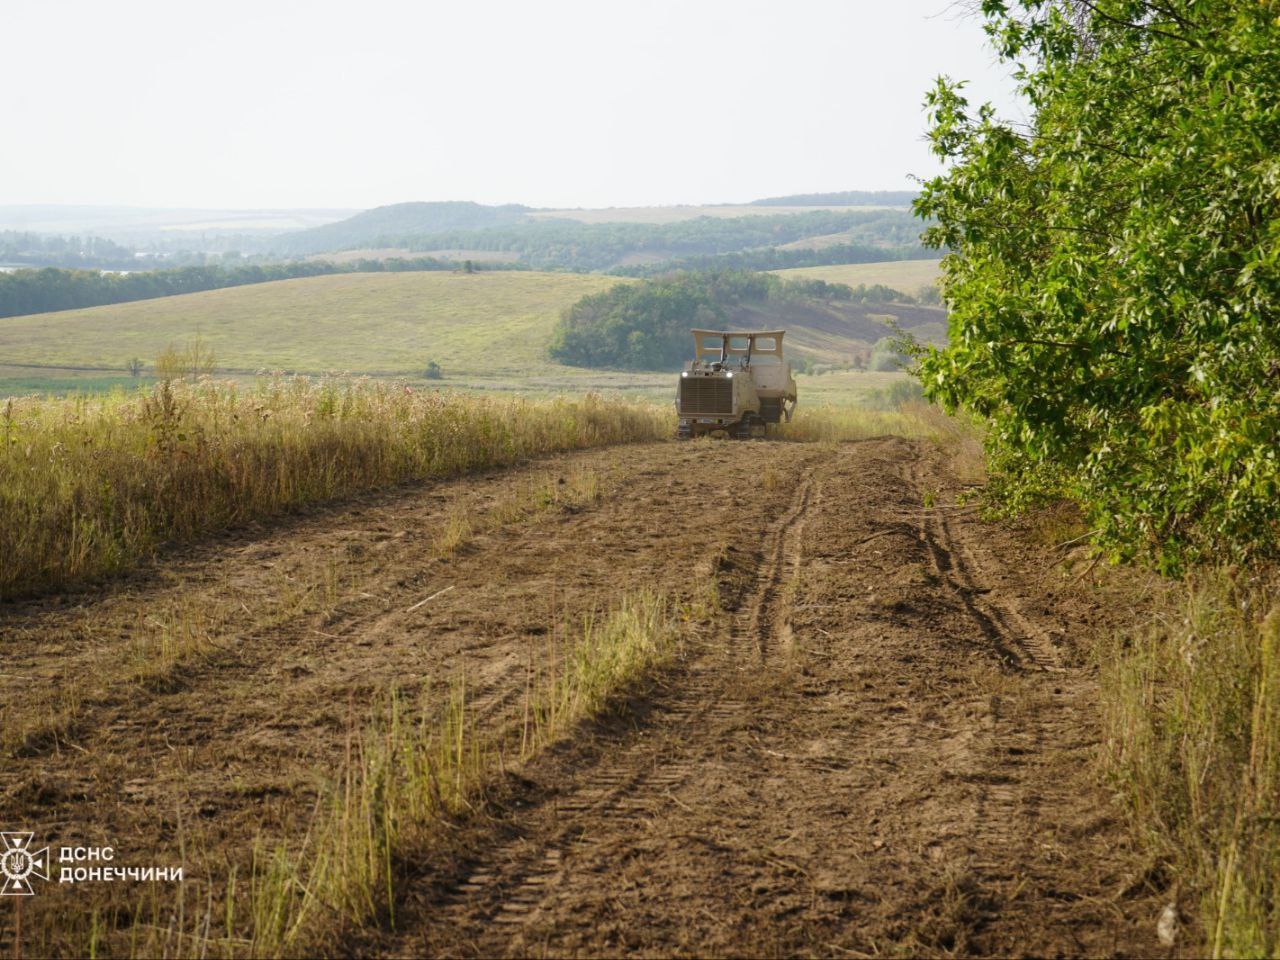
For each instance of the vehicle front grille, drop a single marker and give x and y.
(706, 396)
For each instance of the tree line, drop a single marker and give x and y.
(54, 250)
(645, 326)
(571, 245)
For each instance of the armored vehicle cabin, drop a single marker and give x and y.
(737, 383)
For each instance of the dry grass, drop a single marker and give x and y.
(909, 276)
(1192, 710)
(91, 486)
(411, 768)
(407, 769)
(492, 324)
(915, 421)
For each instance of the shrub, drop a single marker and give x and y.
(1114, 282)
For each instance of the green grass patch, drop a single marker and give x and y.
(488, 324)
(20, 386)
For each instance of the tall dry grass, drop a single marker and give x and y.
(960, 436)
(89, 486)
(1192, 712)
(413, 768)
(407, 769)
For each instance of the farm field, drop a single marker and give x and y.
(493, 324)
(486, 330)
(905, 275)
(867, 727)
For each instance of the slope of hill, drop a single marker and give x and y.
(490, 327)
(680, 213)
(483, 323)
(838, 332)
(909, 276)
(373, 228)
(646, 326)
(583, 240)
(843, 198)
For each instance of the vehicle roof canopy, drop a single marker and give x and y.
(711, 343)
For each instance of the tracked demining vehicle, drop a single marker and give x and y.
(737, 384)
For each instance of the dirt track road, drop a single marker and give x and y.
(883, 745)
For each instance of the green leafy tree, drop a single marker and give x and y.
(1115, 274)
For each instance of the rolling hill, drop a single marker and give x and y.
(485, 326)
(905, 275)
(491, 323)
(588, 240)
(373, 228)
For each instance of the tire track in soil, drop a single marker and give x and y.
(953, 562)
(236, 747)
(877, 751)
(768, 619)
(1003, 800)
(512, 884)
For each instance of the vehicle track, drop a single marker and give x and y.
(870, 755)
(512, 886)
(240, 737)
(767, 619)
(874, 747)
(1016, 637)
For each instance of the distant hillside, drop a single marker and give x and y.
(136, 225)
(645, 326)
(846, 198)
(25, 291)
(572, 245)
(484, 326)
(593, 240)
(382, 226)
(493, 323)
(909, 276)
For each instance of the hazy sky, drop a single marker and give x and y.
(553, 103)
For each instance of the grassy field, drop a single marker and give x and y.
(486, 324)
(487, 331)
(89, 486)
(905, 275)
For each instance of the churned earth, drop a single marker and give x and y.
(881, 742)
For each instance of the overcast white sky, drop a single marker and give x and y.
(271, 103)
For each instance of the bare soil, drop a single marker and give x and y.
(884, 743)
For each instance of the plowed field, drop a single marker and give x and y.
(881, 742)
